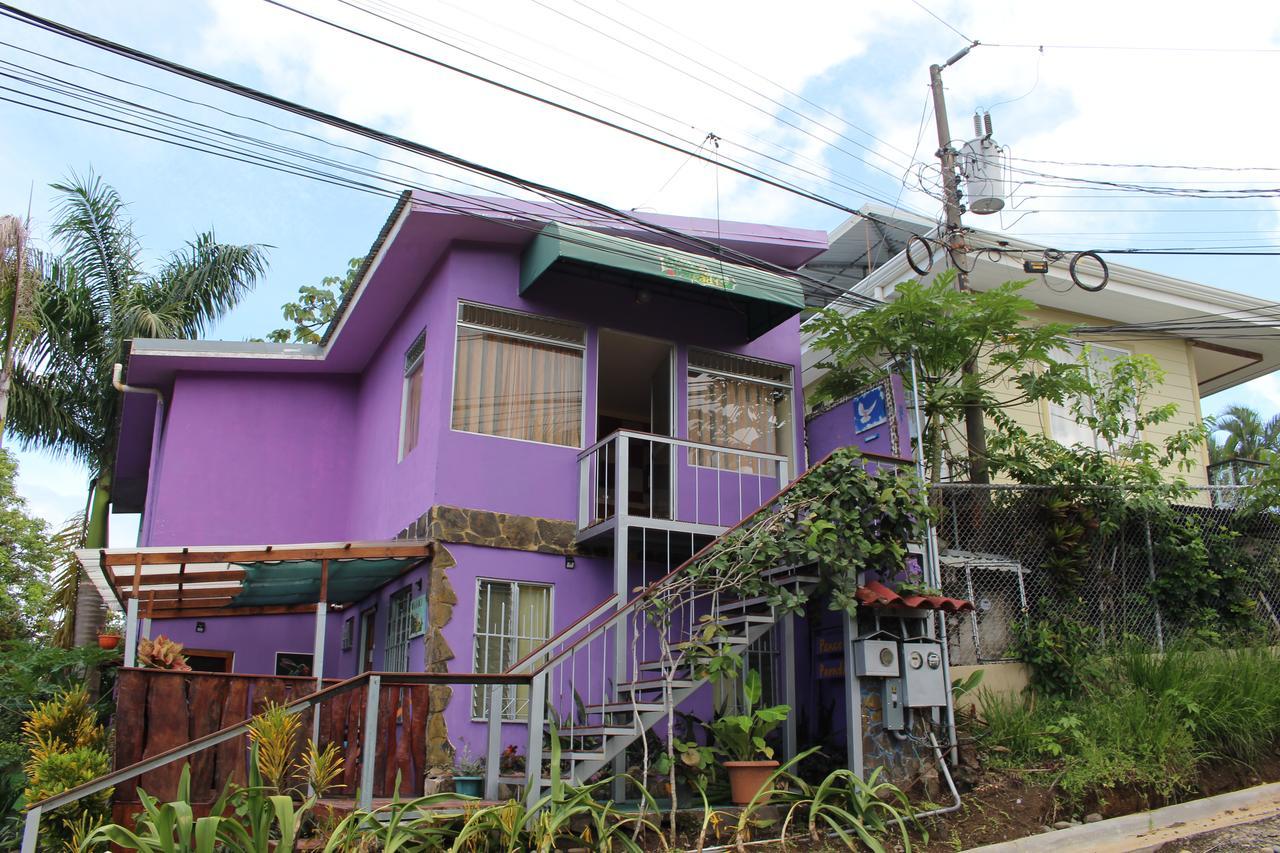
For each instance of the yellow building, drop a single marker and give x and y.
(1209, 339)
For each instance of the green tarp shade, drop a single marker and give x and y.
(766, 298)
(298, 581)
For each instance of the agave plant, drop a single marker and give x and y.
(162, 653)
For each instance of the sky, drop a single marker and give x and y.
(830, 96)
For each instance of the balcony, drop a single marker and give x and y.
(635, 479)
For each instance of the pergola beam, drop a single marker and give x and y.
(269, 554)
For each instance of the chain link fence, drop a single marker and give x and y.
(1117, 567)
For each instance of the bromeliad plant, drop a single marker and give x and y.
(162, 653)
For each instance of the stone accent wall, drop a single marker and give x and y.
(493, 529)
(440, 602)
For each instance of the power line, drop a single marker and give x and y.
(944, 23)
(1132, 47)
(262, 97)
(864, 188)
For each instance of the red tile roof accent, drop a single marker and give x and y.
(876, 594)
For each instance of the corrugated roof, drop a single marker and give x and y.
(876, 594)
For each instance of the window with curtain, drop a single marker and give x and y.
(739, 403)
(411, 402)
(512, 619)
(1063, 426)
(518, 376)
(396, 658)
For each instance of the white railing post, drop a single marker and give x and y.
(493, 750)
(131, 632)
(533, 751)
(584, 491)
(31, 831)
(367, 763)
(784, 474)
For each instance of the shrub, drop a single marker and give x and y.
(66, 747)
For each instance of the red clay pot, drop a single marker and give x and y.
(108, 642)
(748, 778)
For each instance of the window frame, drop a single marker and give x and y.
(416, 365)
(789, 452)
(401, 621)
(479, 696)
(459, 323)
(1108, 351)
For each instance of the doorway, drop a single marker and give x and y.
(367, 639)
(636, 391)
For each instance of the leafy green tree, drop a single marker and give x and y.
(1248, 436)
(943, 330)
(316, 307)
(93, 297)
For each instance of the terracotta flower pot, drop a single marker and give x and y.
(108, 641)
(748, 778)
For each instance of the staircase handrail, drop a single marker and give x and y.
(647, 593)
(682, 442)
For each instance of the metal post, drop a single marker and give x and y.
(621, 544)
(1151, 576)
(317, 654)
(493, 750)
(789, 732)
(372, 695)
(31, 831)
(533, 752)
(853, 697)
(131, 632)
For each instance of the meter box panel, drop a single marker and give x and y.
(876, 659)
(923, 683)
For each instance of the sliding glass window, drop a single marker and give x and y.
(518, 376)
(739, 403)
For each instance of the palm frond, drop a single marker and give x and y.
(203, 282)
(67, 578)
(96, 237)
(49, 413)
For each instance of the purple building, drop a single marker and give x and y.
(565, 409)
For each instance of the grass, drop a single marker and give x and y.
(1147, 722)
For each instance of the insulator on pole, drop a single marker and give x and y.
(986, 121)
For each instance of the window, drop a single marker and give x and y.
(1063, 426)
(739, 403)
(411, 402)
(518, 376)
(396, 658)
(512, 619)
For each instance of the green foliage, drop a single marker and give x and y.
(274, 732)
(1248, 436)
(858, 813)
(249, 819)
(66, 746)
(1147, 722)
(316, 307)
(741, 737)
(1059, 649)
(1203, 584)
(839, 517)
(1012, 362)
(26, 563)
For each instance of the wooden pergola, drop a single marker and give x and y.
(209, 582)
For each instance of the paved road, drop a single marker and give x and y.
(1259, 837)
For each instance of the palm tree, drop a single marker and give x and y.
(1248, 435)
(94, 297)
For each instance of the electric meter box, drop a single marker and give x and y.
(876, 659)
(924, 684)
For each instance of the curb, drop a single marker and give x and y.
(1147, 831)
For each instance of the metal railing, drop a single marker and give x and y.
(687, 484)
(373, 682)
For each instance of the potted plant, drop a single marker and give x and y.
(741, 739)
(108, 640)
(468, 778)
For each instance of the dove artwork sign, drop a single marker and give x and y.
(870, 409)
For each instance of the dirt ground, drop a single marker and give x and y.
(1001, 806)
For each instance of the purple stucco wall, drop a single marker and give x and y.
(834, 428)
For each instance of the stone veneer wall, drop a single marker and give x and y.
(443, 524)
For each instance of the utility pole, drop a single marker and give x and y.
(953, 239)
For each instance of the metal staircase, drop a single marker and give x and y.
(597, 715)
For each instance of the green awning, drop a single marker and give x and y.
(765, 298)
(298, 581)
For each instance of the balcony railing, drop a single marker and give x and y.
(682, 484)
